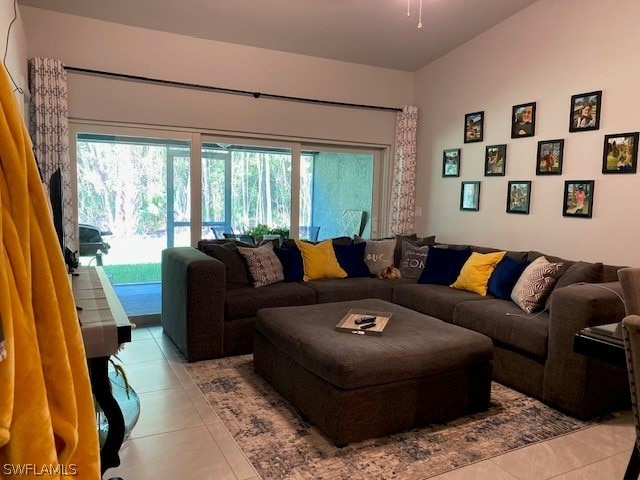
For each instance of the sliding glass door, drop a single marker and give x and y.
(337, 192)
(133, 195)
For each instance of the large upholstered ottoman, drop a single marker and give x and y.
(353, 387)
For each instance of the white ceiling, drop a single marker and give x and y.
(370, 32)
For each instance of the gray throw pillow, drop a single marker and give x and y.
(535, 284)
(263, 264)
(579, 272)
(413, 260)
(236, 271)
(414, 240)
(378, 255)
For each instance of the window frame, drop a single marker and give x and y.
(196, 137)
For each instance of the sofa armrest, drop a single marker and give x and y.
(193, 293)
(583, 386)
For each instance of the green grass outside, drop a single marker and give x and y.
(136, 273)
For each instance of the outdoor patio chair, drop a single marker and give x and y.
(242, 238)
(220, 230)
(309, 233)
(353, 222)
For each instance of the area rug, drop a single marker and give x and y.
(282, 444)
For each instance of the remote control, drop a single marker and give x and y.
(367, 319)
(368, 325)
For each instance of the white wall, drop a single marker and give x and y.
(88, 43)
(546, 53)
(16, 60)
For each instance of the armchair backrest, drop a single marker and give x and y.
(631, 335)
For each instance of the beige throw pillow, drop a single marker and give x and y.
(535, 284)
(378, 255)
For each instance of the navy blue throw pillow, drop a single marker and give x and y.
(504, 277)
(443, 265)
(351, 259)
(291, 260)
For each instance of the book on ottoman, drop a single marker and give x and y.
(363, 322)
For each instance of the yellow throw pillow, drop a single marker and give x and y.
(319, 261)
(476, 271)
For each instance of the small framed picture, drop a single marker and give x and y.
(518, 196)
(578, 198)
(620, 153)
(451, 162)
(473, 127)
(549, 159)
(470, 196)
(585, 111)
(495, 160)
(523, 120)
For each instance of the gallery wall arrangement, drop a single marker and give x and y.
(619, 156)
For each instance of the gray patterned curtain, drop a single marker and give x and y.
(403, 191)
(50, 133)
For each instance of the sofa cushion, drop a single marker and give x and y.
(443, 265)
(579, 272)
(535, 284)
(291, 260)
(476, 271)
(350, 289)
(514, 255)
(289, 242)
(245, 302)
(396, 282)
(351, 259)
(504, 322)
(235, 268)
(263, 264)
(504, 277)
(533, 255)
(319, 261)
(413, 259)
(435, 300)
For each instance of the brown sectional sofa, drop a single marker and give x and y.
(533, 353)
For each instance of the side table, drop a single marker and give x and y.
(603, 342)
(104, 327)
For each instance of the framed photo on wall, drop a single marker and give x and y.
(451, 162)
(495, 160)
(523, 120)
(585, 111)
(578, 198)
(473, 127)
(518, 196)
(470, 196)
(549, 158)
(620, 153)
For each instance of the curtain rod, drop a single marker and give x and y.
(229, 90)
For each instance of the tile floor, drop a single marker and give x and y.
(179, 436)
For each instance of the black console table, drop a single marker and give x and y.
(104, 326)
(603, 342)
